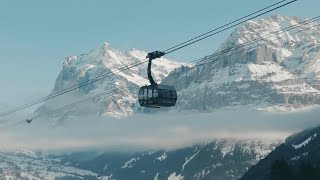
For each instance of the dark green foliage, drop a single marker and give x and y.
(280, 170)
(307, 171)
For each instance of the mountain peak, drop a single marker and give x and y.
(122, 85)
(277, 17)
(106, 46)
(68, 60)
(271, 31)
(137, 53)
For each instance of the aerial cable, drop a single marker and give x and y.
(196, 63)
(225, 25)
(229, 50)
(125, 68)
(63, 108)
(67, 90)
(224, 29)
(264, 37)
(72, 105)
(250, 48)
(216, 54)
(85, 100)
(89, 99)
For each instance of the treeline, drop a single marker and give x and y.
(281, 170)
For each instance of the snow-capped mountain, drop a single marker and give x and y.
(279, 72)
(282, 73)
(119, 88)
(222, 159)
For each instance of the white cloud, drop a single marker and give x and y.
(156, 131)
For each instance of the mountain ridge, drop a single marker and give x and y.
(218, 159)
(279, 74)
(267, 77)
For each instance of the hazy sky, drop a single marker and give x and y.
(36, 35)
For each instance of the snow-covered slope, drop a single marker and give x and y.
(119, 88)
(33, 166)
(281, 73)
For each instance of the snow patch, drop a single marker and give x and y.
(189, 159)
(227, 149)
(129, 164)
(305, 142)
(162, 157)
(156, 177)
(173, 176)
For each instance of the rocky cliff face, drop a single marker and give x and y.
(279, 72)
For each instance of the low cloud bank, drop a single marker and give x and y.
(155, 131)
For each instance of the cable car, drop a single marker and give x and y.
(156, 95)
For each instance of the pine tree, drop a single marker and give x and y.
(280, 170)
(307, 171)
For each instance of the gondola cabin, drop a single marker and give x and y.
(157, 96)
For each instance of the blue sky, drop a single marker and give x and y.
(36, 35)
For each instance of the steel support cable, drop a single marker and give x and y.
(195, 62)
(228, 55)
(75, 104)
(104, 76)
(209, 57)
(251, 42)
(62, 109)
(66, 107)
(273, 33)
(258, 39)
(229, 50)
(224, 29)
(68, 90)
(315, 19)
(72, 105)
(251, 14)
(58, 110)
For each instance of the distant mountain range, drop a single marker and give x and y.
(222, 159)
(278, 73)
